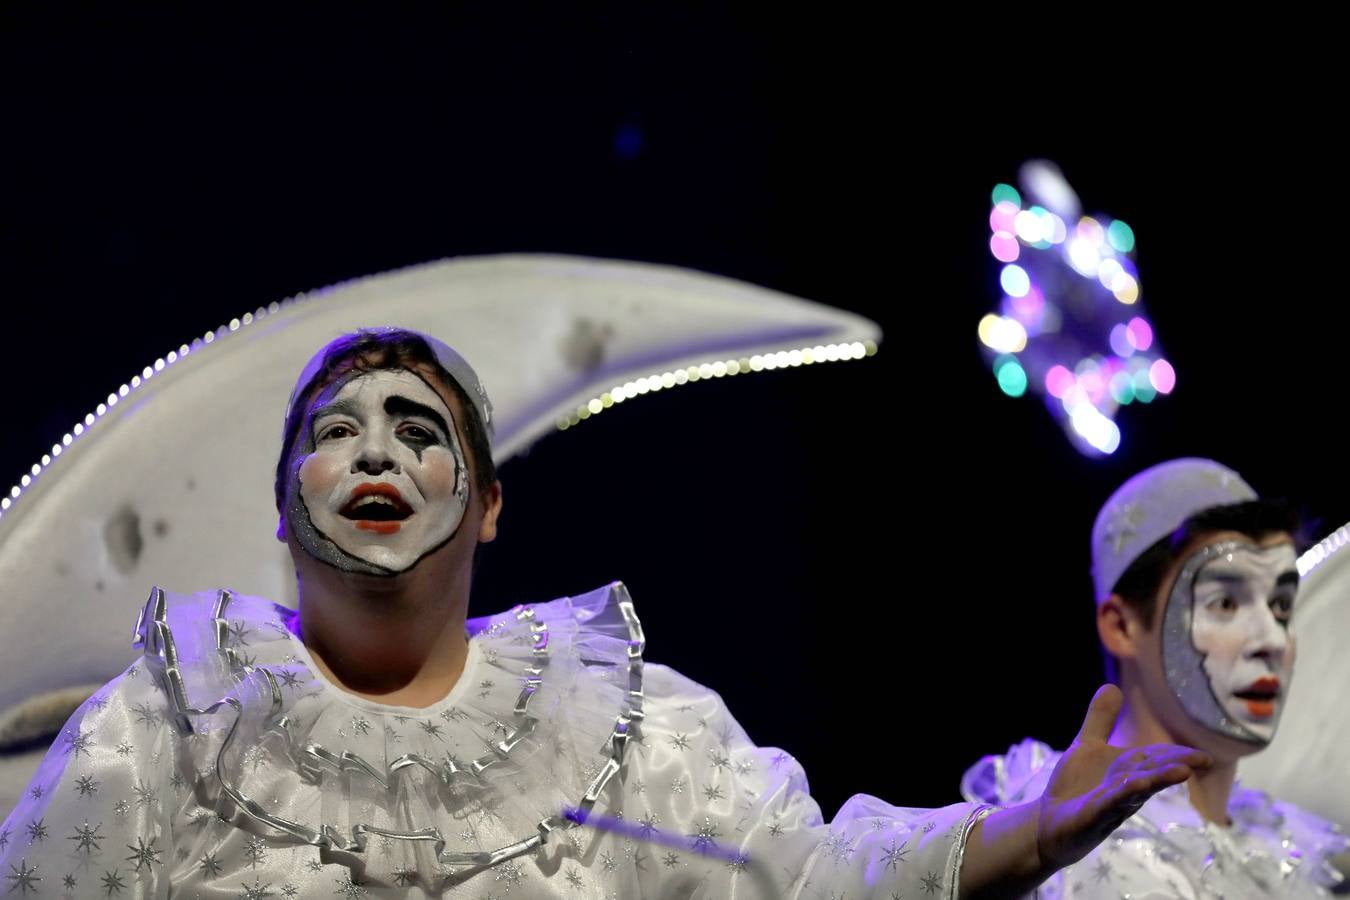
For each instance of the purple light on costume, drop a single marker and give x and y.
(1162, 376)
(703, 847)
(1004, 247)
(1140, 334)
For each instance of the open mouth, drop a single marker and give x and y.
(376, 507)
(1260, 697)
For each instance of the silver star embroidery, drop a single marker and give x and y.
(349, 888)
(210, 866)
(1102, 871)
(360, 725)
(314, 865)
(131, 671)
(647, 824)
(705, 836)
(744, 767)
(112, 882)
(259, 891)
(712, 792)
(677, 786)
(256, 851)
(37, 792)
(122, 807)
(573, 878)
(290, 890)
(718, 759)
(779, 759)
(237, 632)
(124, 749)
(4, 838)
(143, 854)
(37, 831)
(147, 715)
(432, 729)
(485, 688)
(670, 860)
(775, 830)
(680, 742)
(144, 794)
(290, 680)
(931, 883)
(68, 881)
(79, 742)
(737, 864)
(100, 702)
(88, 838)
(176, 781)
(639, 786)
(23, 878)
(893, 855)
(511, 873)
(608, 862)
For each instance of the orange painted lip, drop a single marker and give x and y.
(1267, 691)
(1260, 709)
(378, 526)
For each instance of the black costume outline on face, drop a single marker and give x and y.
(1191, 569)
(295, 502)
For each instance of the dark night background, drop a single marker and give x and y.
(888, 553)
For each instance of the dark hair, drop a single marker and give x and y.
(1138, 586)
(370, 351)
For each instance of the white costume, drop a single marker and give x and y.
(1166, 849)
(223, 765)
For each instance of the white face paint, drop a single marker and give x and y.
(1240, 600)
(380, 480)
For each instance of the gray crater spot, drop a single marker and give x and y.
(584, 348)
(122, 537)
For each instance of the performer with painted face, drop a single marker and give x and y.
(1196, 579)
(375, 743)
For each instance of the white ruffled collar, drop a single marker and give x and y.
(538, 722)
